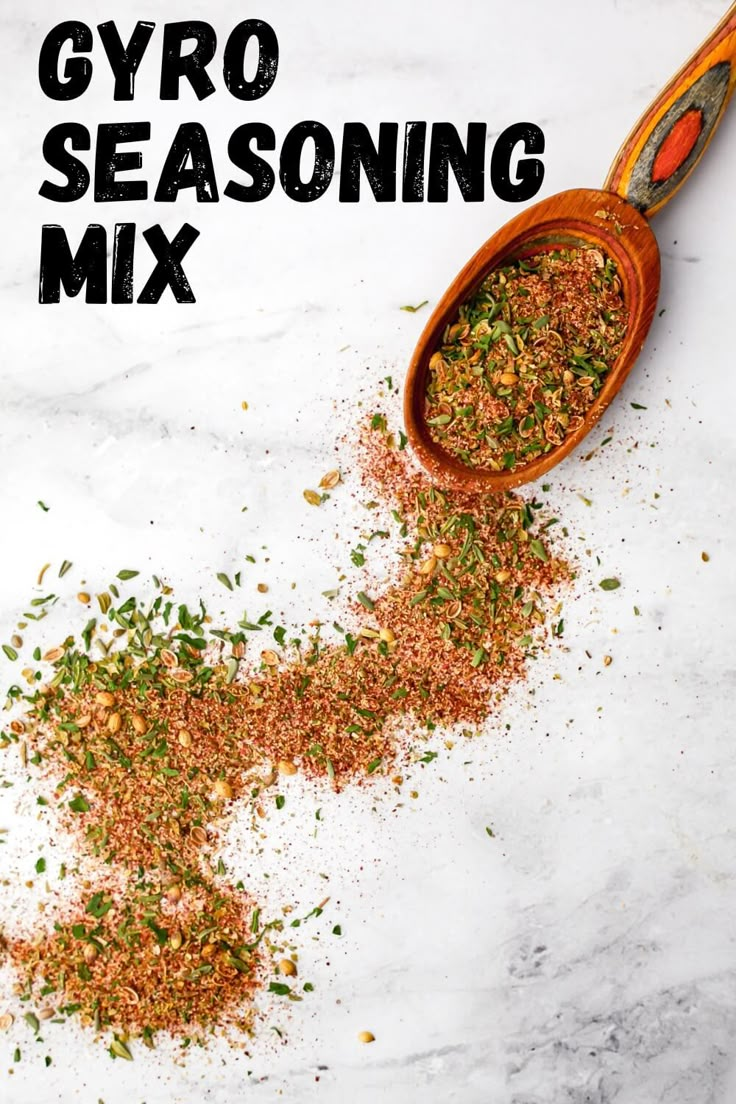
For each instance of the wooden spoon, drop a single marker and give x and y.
(655, 160)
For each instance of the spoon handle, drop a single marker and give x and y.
(670, 138)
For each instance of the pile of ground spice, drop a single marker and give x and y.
(526, 358)
(148, 746)
(144, 954)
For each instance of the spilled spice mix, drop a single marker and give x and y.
(148, 746)
(153, 955)
(526, 358)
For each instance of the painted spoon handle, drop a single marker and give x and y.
(670, 138)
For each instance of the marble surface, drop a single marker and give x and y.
(586, 953)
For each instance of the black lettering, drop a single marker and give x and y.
(233, 61)
(77, 71)
(193, 66)
(379, 164)
(529, 170)
(190, 144)
(415, 140)
(468, 162)
(168, 271)
(124, 60)
(58, 157)
(123, 251)
(243, 157)
(59, 268)
(108, 162)
(291, 154)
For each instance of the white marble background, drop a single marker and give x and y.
(585, 955)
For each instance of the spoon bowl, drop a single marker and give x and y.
(581, 217)
(654, 162)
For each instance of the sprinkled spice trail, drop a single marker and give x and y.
(526, 358)
(148, 746)
(149, 957)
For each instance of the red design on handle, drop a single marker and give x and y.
(678, 145)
